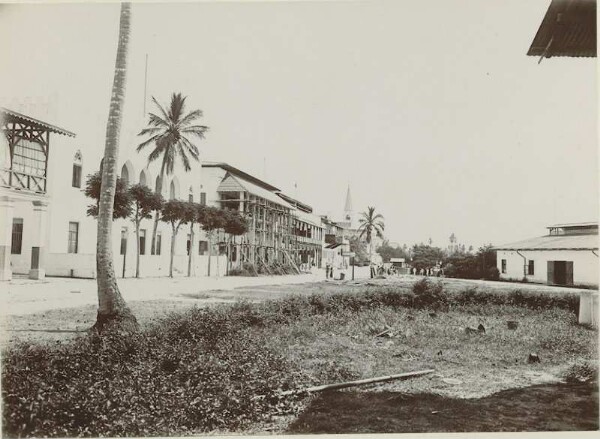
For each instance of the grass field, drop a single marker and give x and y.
(331, 332)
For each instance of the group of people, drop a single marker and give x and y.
(427, 271)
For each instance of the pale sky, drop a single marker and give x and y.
(431, 111)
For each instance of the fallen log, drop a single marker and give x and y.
(399, 376)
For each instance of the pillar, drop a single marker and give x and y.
(588, 308)
(38, 239)
(6, 219)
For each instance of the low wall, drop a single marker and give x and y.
(84, 265)
(588, 308)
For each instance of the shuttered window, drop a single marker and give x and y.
(17, 236)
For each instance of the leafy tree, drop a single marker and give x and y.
(426, 256)
(144, 203)
(481, 265)
(176, 213)
(193, 215)
(211, 220)
(122, 204)
(359, 247)
(370, 223)
(112, 309)
(235, 225)
(386, 251)
(170, 133)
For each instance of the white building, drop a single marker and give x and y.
(44, 229)
(568, 255)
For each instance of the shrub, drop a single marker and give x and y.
(581, 372)
(428, 294)
(195, 372)
(492, 273)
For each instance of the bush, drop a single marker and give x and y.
(428, 294)
(492, 273)
(195, 372)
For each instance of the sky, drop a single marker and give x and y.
(430, 111)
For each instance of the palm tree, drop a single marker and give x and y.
(170, 133)
(370, 223)
(112, 309)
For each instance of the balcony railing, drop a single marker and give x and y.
(22, 181)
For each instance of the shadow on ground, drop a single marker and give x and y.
(538, 408)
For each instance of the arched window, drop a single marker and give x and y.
(77, 166)
(157, 185)
(143, 178)
(191, 195)
(172, 190)
(125, 175)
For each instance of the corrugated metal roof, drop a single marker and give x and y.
(234, 183)
(10, 115)
(242, 174)
(568, 29)
(588, 224)
(559, 242)
(309, 218)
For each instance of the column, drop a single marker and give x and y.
(38, 239)
(6, 220)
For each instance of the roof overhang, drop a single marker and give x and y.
(10, 116)
(567, 29)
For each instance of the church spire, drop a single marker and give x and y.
(348, 205)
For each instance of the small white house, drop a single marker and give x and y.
(568, 255)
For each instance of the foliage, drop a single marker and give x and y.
(170, 133)
(195, 372)
(176, 213)
(425, 256)
(429, 295)
(122, 204)
(370, 223)
(212, 219)
(145, 201)
(481, 265)
(386, 251)
(234, 223)
(359, 247)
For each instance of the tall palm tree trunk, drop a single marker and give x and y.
(157, 213)
(137, 253)
(191, 250)
(173, 238)
(112, 309)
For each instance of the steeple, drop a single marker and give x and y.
(348, 205)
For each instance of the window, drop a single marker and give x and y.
(191, 195)
(123, 240)
(73, 237)
(125, 175)
(531, 268)
(29, 157)
(142, 241)
(202, 247)
(76, 179)
(143, 178)
(17, 236)
(188, 244)
(203, 198)
(158, 243)
(172, 190)
(503, 265)
(158, 186)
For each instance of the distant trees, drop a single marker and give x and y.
(481, 265)
(426, 256)
(359, 247)
(386, 251)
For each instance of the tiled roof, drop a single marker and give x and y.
(559, 242)
(10, 115)
(568, 29)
